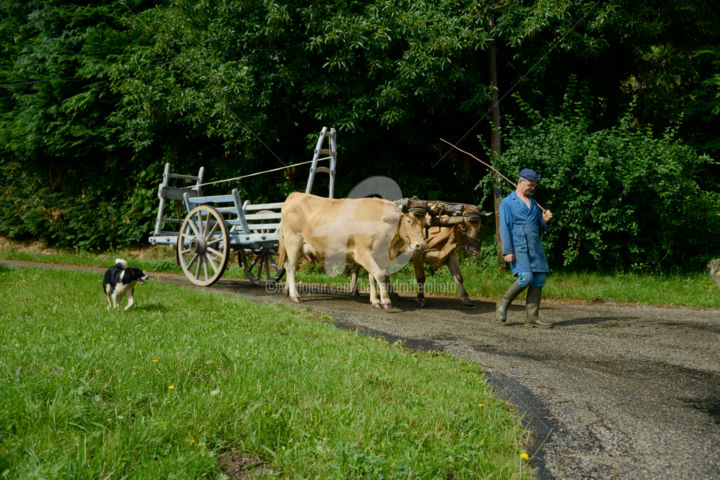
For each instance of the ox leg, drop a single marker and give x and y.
(354, 280)
(373, 291)
(454, 267)
(420, 278)
(374, 271)
(383, 281)
(394, 296)
(293, 250)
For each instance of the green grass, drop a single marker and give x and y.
(169, 388)
(696, 290)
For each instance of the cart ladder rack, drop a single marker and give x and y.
(168, 192)
(331, 154)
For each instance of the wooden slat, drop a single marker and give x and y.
(232, 210)
(213, 199)
(174, 193)
(238, 238)
(183, 177)
(264, 206)
(163, 238)
(253, 228)
(263, 226)
(263, 216)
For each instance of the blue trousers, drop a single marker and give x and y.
(532, 279)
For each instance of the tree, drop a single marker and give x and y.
(623, 198)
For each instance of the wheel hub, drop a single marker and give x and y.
(198, 245)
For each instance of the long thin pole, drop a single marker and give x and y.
(487, 165)
(495, 144)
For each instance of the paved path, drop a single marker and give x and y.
(627, 392)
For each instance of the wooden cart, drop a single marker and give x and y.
(216, 225)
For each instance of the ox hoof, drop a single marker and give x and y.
(296, 300)
(387, 306)
(468, 303)
(377, 305)
(421, 304)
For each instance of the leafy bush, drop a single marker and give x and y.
(91, 212)
(621, 197)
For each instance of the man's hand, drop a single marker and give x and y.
(547, 216)
(509, 258)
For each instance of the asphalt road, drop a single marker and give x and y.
(612, 391)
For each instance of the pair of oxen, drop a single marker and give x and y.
(376, 234)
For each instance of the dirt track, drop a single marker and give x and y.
(610, 392)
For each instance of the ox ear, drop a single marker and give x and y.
(401, 205)
(392, 219)
(485, 214)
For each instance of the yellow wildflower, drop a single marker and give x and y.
(170, 387)
(524, 456)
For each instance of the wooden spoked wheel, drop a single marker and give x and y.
(203, 245)
(260, 265)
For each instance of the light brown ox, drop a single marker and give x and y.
(449, 227)
(370, 231)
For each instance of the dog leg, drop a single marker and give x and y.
(130, 298)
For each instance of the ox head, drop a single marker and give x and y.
(411, 228)
(466, 221)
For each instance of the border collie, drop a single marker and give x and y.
(119, 282)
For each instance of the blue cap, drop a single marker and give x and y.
(528, 174)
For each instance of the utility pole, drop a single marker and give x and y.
(495, 145)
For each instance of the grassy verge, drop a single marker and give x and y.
(695, 290)
(189, 384)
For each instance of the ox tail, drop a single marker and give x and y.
(282, 253)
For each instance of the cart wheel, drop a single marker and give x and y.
(261, 266)
(203, 245)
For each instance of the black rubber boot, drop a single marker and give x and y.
(532, 307)
(506, 300)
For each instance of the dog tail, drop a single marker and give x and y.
(122, 262)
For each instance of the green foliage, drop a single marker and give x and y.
(97, 96)
(89, 214)
(621, 197)
(68, 179)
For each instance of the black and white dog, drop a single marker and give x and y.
(120, 281)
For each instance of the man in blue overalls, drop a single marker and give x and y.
(521, 223)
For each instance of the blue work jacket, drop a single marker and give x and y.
(520, 229)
